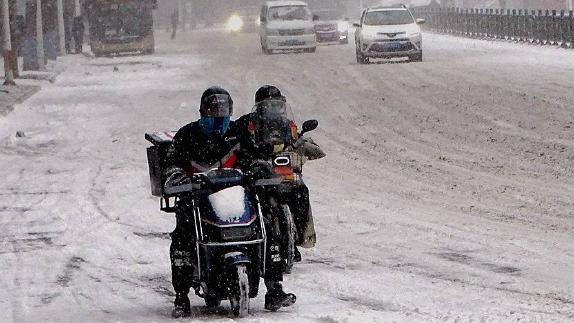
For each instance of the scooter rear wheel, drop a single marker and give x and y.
(211, 301)
(289, 238)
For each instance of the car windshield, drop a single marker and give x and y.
(388, 17)
(248, 12)
(328, 15)
(289, 13)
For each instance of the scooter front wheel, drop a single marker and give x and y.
(239, 297)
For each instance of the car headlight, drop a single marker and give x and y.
(412, 35)
(272, 32)
(343, 26)
(310, 30)
(234, 23)
(257, 21)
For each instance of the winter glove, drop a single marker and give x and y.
(177, 178)
(305, 146)
(258, 169)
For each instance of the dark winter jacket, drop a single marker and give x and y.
(193, 152)
(253, 139)
(78, 27)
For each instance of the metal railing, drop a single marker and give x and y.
(547, 27)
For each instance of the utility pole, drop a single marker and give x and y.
(571, 5)
(77, 9)
(8, 72)
(61, 30)
(40, 37)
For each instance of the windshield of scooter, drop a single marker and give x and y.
(274, 122)
(230, 206)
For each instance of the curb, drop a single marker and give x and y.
(19, 93)
(22, 93)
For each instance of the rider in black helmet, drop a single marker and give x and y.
(198, 146)
(269, 99)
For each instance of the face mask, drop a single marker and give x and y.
(211, 126)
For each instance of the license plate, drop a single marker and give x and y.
(327, 36)
(391, 46)
(292, 42)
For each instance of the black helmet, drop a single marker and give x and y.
(216, 102)
(267, 92)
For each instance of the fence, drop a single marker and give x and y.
(536, 26)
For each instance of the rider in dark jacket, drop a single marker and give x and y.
(248, 132)
(208, 143)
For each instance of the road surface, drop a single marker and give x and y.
(447, 193)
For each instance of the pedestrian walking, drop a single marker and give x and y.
(78, 33)
(174, 21)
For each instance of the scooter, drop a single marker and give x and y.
(229, 237)
(288, 165)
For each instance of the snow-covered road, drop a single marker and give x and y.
(447, 193)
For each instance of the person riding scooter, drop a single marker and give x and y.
(207, 143)
(253, 134)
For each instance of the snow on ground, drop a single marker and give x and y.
(446, 195)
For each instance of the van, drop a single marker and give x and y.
(287, 25)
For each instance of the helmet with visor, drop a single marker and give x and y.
(216, 109)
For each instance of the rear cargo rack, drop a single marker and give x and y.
(156, 157)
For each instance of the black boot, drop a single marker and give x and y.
(277, 298)
(296, 255)
(182, 308)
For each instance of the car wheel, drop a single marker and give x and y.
(265, 50)
(416, 57)
(361, 59)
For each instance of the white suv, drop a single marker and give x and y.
(387, 32)
(286, 25)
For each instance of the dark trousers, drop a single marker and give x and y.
(274, 265)
(298, 201)
(79, 41)
(182, 251)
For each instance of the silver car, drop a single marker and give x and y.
(387, 32)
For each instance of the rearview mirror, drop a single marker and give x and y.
(358, 25)
(315, 17)
(309, 125)
(263, 20)
(420, 21)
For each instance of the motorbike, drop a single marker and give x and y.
(229, 237)
(230, 234)
(287, 158)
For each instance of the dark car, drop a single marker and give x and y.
(330, 27)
